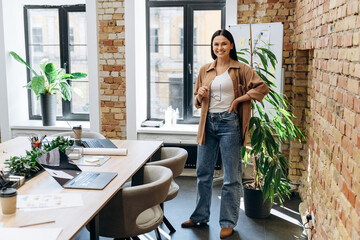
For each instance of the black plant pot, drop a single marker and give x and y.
(255, 206)
(48, 109)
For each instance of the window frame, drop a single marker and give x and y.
(189, 7)
(64, 47)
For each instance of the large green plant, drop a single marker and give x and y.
(269, 129)
(51, 80)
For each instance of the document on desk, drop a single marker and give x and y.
(30, 233)
(48, 201)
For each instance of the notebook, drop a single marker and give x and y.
(68, 175)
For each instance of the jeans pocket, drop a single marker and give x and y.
(228, 117)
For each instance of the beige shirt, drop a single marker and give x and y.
(245, 81)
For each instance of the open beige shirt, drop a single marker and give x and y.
(245, 81)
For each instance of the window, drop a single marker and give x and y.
(155, 39)
(37, 38)
(58, 33)
(182, 44)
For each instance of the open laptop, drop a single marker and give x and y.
(68, 175)
(97, 143)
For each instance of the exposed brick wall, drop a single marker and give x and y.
(111, 25)
(331, 186)
(265, 11)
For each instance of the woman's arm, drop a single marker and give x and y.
(257, 89)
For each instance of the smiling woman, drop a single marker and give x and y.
(225, 115)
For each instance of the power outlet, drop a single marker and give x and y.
(313, 219)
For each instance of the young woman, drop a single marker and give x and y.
(224, 90)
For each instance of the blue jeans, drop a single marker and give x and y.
(221, 131)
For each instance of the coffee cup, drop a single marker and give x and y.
(77, 134)
(8, 200)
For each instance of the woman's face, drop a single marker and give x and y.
(222, 46)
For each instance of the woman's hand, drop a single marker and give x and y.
(203, 92)
(234, 104)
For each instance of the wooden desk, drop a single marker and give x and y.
(72, 220)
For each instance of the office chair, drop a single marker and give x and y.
(83, 135)
(173, 158)
(136, 210)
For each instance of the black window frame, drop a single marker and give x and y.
(189, 6)
(65, 47)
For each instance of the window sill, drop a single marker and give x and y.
(37, 125)
(177, 129)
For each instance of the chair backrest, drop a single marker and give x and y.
(84, 134)
(120, 217)
(173, 158)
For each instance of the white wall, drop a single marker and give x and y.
(135, 57)
(93, 49)
(14, 98)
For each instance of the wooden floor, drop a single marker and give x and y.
(283, 224)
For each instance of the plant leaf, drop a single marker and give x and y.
(20, 60)
(50, 72)
(38, 84)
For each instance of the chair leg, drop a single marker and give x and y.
(168, 225)
(157, 234)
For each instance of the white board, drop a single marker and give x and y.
(270, 33)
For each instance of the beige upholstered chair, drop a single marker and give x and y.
(136, 210)
(175, 159)
(83, 135)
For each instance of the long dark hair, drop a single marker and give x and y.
(229, 37)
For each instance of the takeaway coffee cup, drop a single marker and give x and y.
(8, 200)
(77, 134)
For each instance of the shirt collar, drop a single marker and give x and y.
(233, 64)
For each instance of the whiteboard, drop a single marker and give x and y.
(271, 33)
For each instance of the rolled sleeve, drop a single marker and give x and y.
(257, 87)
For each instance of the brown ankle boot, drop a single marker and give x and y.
(188, 224)
(226, 232)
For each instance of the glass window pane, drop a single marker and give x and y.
(80, 101)
(166, 83)
(166, 60)
(77, 28)
(45, 21)
(78, 61)
(206, 22)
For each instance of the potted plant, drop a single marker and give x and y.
(27, 165)
(47, 84)
(268, 130)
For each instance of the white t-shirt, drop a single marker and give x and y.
(221, 93)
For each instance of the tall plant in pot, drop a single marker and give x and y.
(268, 130)
(47, 84)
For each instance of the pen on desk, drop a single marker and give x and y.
(38, 223)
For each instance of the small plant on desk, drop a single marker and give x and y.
(27, 165)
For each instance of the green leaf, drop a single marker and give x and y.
(20, 60)
(65, 90)
(243, 60)
(78, 75)
(43, 63)
(50, 72)
(38, 84)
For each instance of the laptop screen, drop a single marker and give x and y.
(59, 166)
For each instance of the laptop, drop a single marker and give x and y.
(97, 143)
(68, 175)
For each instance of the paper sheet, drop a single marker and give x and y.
(30, 233)
(42, 201)
(105, 151)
